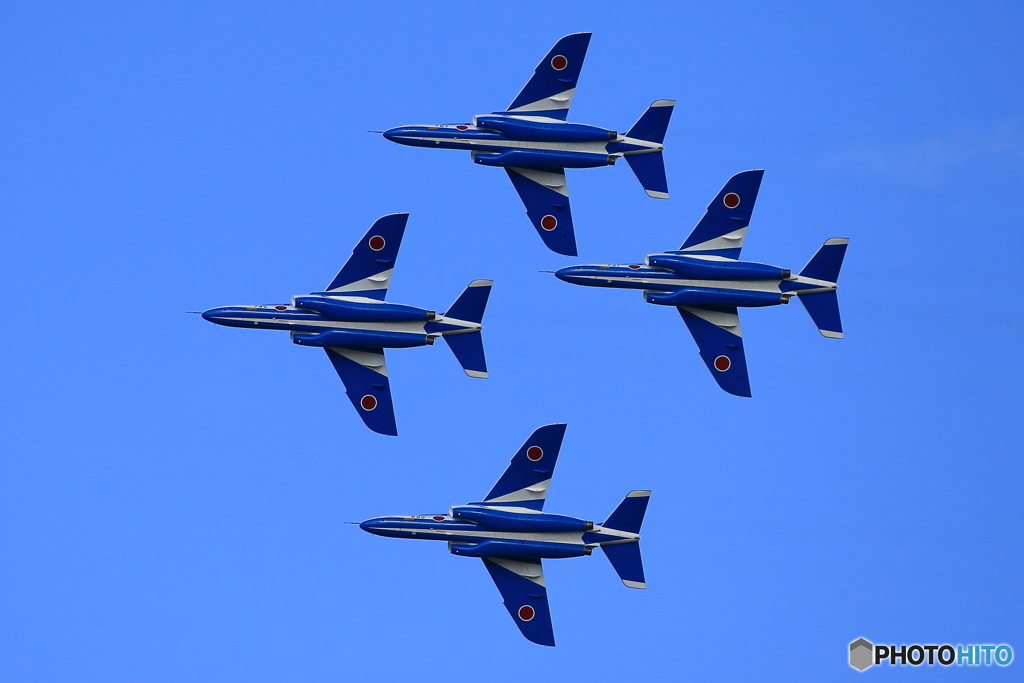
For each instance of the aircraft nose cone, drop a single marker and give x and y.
(396, 134)
(371, 525)
(570, 274)
(212, 315)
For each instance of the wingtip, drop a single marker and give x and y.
(634, 584)
(830, 334)
(476, 374)
(657, 195)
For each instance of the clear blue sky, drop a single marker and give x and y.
(172, 493)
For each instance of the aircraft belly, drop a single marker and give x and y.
(670, 284)
(506, 145)
(407, 327)
(476, 536)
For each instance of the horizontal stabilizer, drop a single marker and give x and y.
(825, 264)
(823, 308)
(629, 516)
(627, 562)
(650, 171)
(471, 303)
(653, 125)
(469, 351)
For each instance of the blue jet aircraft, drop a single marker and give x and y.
(533, 143)
(510, 532)
(353, 324)
(705, 280)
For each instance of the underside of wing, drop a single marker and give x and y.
(718, 335)
(526, 480)
(549, 91)
(521, 583)
(368, 271)
(723, 227)
(546, 197)
(365, 375)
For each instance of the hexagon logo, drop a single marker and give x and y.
(862, 654)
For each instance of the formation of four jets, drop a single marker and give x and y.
(704, 279)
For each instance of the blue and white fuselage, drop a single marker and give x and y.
(534, 143)
(699, 281)
(707, 283)
(539, 142)
(512, 534)
(320, 319)
(499, 531)
(351, 321)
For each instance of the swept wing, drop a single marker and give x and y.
(368, 271)
(549, 92)
(521, 584)
(365, 375)
(722, 229)
(720, 339)
(546, 197)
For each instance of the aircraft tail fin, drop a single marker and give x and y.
(649, 167)
(469, 351)
(629, 516)
(823, 307)
(468, 347)
(627, 563)
(471, 303)
(825, 264)
(653, 125)
(650, 171)
(625, 557)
